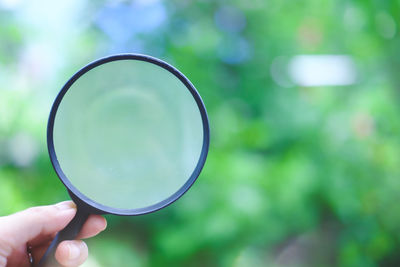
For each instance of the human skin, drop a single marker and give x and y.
(36, 227)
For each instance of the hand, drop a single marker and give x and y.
(36, 227)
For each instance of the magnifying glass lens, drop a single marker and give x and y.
(128, 134)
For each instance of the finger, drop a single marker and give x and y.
(94, 225)
(35, 223)
(71, 253)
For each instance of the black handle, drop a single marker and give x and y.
(68, 233)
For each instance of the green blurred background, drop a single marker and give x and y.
(303, 99)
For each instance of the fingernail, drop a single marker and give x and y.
(66, 205)
(73, 252)
(105, 225)
(102, 223)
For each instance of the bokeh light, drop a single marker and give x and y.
(303, 99)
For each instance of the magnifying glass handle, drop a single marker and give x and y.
(68, 233)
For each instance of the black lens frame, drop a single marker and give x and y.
(91, 204)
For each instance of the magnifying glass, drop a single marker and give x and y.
(127, 135)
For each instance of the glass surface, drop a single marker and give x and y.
(128, 134)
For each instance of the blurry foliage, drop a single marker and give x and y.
(296, 176)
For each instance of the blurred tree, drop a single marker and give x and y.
(297, 175)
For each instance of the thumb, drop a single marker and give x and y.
(38, 222)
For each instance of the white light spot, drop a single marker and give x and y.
(279, 72)
(22, 149)
(386, 25)
(322, 70)
(9, 4)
